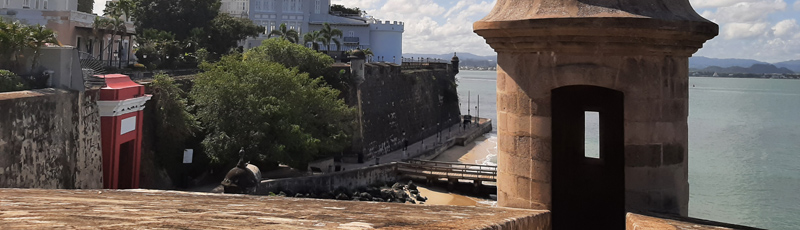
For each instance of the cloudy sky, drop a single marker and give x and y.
(765, 30)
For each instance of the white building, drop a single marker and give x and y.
(384, 38)
(40, 4)
(236, 8)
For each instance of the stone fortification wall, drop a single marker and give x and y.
(50, 138)
(411, 101)
(327, 182)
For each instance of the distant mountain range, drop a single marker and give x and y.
(698, 63)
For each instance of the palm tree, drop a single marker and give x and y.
(314, 38)
(121, 8)
(288, 34)
(118, 9)
(118, 25)
(329, 35)
(368, 53)
(99, 28)
(37, 37)
(13, 40)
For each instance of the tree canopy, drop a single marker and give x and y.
(176, 16)
(291, 55)
(345, 10)
(86, 6)
(281, 114)
(225, 31)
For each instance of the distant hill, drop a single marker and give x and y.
(700, 62)
(697, 63)
(793, 65)
(448, 56)
(753, 69)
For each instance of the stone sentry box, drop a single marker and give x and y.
(120, 105)
(627, 60)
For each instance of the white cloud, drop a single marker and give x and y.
(432, 28)
(785, 28)
(746, 11)
(716, 3)
(737, 30)
(797, 5)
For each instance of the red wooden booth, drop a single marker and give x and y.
(121, 103)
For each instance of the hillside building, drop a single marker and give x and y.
(72, 27)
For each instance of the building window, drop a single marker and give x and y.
(317, 7)
(25, 3)
(351, 34)
(45, 4)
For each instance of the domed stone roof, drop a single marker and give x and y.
(357, 54)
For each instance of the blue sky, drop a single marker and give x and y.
(765, 30)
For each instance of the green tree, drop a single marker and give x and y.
(329, 35)
(86, 6)
(176, 16)
(10, 82)
(291, 55)
(278, 113)
(13, 38)
(314, 38)
(226, 31)
(283, 32)
(174, 124)
(38, 36)
(344, 10)
(121, 8)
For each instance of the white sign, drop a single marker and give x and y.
(187, 156)
(128, 125)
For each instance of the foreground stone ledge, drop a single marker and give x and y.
(147, 209)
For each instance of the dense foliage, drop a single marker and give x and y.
(225, 31)
(176, 16)
(15, 38)
(194, 25)
(345, 10)
(174, 123)
(291, 55)
(86, 6)
(280, 114)
(10, 82)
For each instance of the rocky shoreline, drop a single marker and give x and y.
(397, 193)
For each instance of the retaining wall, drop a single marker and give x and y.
(395, 101)
(50, 138)
(349, 179)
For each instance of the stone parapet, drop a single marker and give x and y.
(104, 209)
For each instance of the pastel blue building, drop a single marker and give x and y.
(384, 38)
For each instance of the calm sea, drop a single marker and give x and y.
(744, 146)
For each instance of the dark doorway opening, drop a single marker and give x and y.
(588, 192)
(126, 161)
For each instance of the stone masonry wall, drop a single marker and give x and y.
(656, 136)
(350, 179)
(396, 101)
(50, 138)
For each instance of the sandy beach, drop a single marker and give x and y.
(474, 153)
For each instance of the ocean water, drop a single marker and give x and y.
(744, 146)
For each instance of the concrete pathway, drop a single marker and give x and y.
(415, 148)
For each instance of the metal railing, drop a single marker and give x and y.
(448, 170)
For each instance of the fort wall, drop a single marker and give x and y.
(50, 138)
(417, 102)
